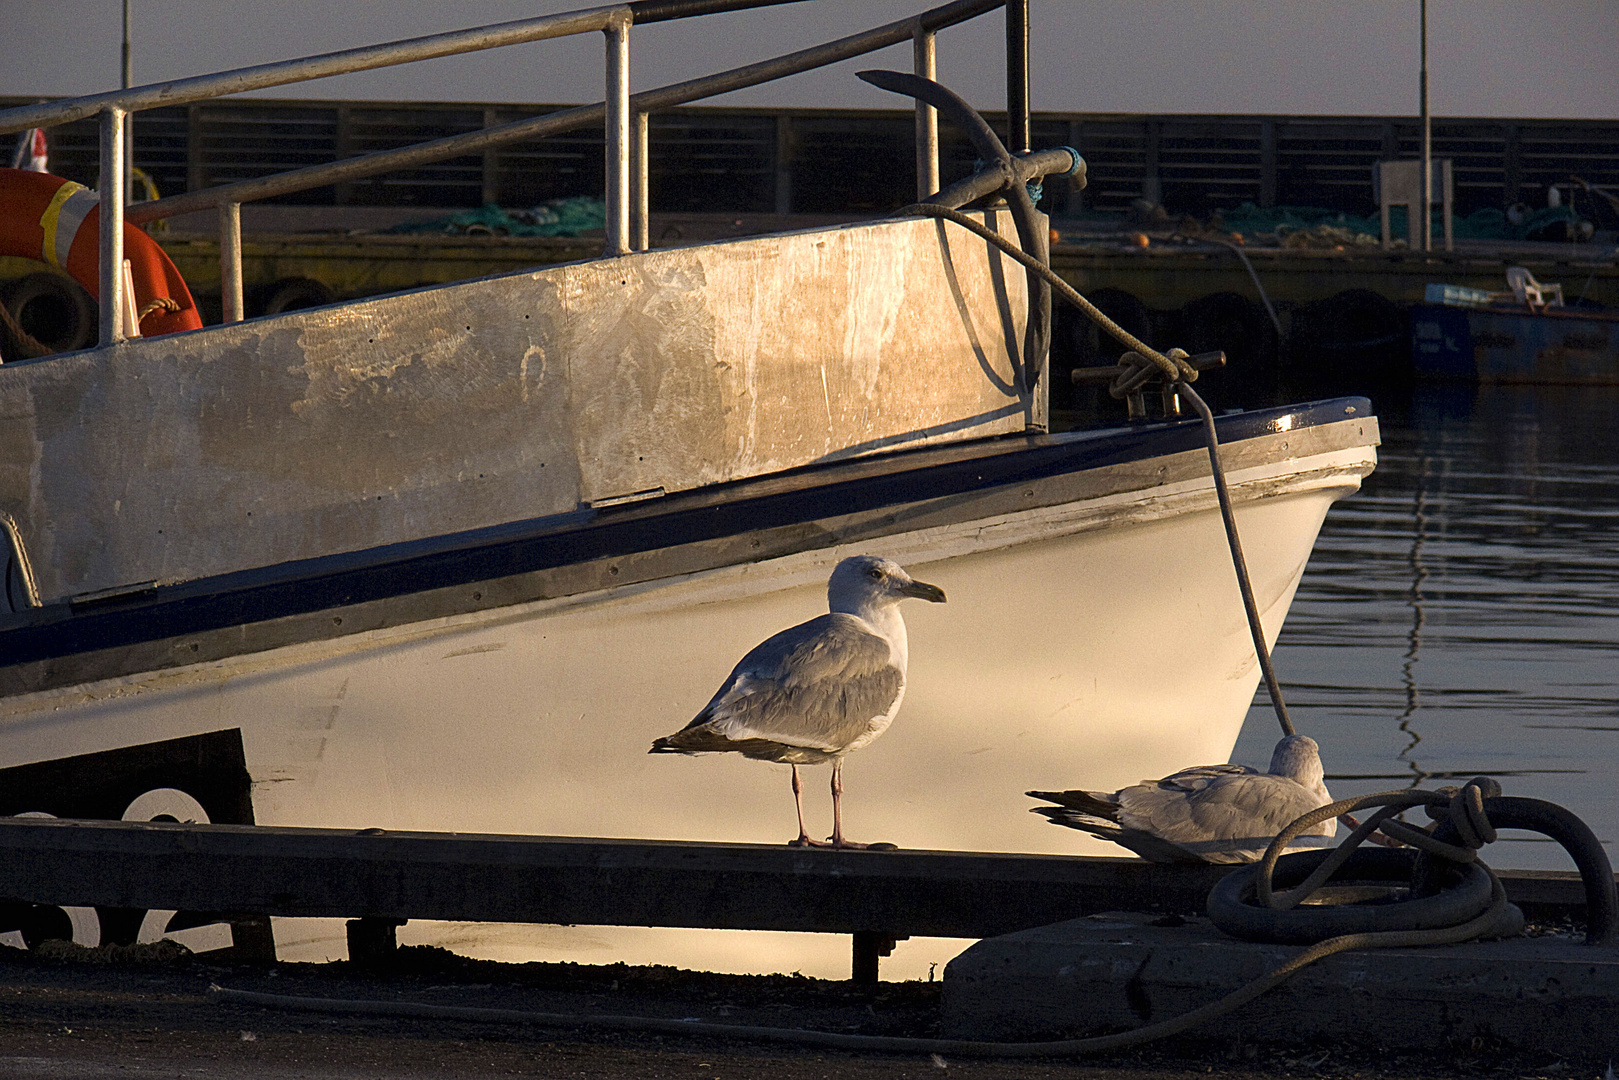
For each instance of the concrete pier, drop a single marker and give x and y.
(1116, 971)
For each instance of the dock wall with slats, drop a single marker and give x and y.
(847, 161)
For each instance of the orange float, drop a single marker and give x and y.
(56, 221)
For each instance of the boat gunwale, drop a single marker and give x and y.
(741, 521)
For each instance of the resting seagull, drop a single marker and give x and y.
(1208, 813)
(820, 690)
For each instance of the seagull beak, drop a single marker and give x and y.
(923, 591)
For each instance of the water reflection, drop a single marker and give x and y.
(1457, 617)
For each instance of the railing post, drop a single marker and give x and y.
(1426, 190)
(129, 121)
(927, 117)
(230, 260)
(618, 135)
(113, 316)
(1018, 135)
(640, 178)
(784, 163)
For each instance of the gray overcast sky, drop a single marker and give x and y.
(1486, 57)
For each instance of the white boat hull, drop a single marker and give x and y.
(1089, 644)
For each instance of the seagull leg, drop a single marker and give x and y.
(837, 809)
(798, 800)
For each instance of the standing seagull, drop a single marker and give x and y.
(819, 690)
(1208, 813)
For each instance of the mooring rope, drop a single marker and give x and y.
(1136, 367)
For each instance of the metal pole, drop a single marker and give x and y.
(476, 142)
(1018, 136)
(183, 91)
(640, 174)
(112, 226)
(129, 121)
(1427, 142)
(618, 135)
(927, 117)
(230, 260)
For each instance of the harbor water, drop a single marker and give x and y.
(1460, 615)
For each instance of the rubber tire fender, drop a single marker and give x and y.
(72, 323)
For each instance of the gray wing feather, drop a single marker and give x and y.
(818, 684)
(1234, 810)
(1199, 777)
(1208, 813)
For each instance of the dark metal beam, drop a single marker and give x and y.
(500, 878)
(497, 878)
(651, 11)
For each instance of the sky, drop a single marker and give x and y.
(1502, 58)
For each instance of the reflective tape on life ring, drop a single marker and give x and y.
(67, 210)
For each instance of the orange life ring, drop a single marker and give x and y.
(56, 221)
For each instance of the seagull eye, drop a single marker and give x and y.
(875, 574)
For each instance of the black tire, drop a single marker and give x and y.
(13, 596)
(1076, 341)
(1095, 344)
(295, 294)
(39, 924)
(54, 309)
(1240, 328)
(1234, 324)
(1355, 337)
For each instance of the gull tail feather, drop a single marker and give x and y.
(1148, 846)
(705, 740)
(669, 746)
(1085, 802)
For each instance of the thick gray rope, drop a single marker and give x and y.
(1138, 365)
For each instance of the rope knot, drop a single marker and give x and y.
(161, 303)
(1184, 371)
(1137, 369)
(1466, 811)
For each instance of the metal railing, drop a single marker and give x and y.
(624, 116)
